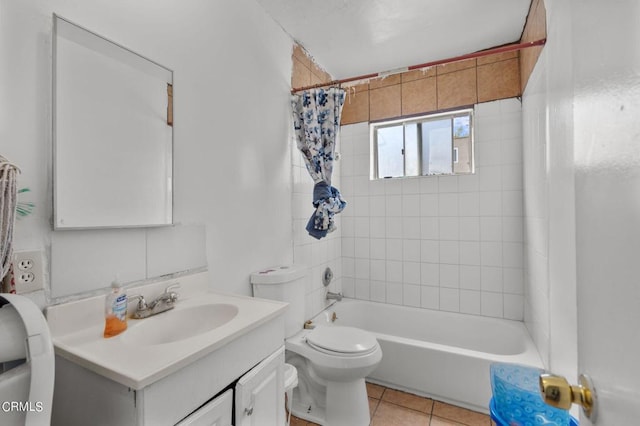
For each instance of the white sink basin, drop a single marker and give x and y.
(179, 324)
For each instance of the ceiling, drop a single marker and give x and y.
(354, 37)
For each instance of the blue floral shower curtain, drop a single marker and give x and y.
(316, 120)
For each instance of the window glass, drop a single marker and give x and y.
(430, 145)
(390, 151)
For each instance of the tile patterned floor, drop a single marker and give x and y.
(390, 407)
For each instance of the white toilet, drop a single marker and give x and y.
(332, 361)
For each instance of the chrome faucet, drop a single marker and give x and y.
(164, 302)
(334, 296)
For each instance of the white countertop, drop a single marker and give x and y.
(77, 329)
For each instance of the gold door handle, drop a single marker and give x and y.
(557, 392)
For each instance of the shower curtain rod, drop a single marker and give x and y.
(481, 53)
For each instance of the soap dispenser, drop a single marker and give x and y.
(115, 310)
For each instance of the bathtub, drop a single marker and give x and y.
(441, 355)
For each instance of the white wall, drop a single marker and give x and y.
(451, 243)
(550, 270)
(232, 67)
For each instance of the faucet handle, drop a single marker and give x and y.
(142, 304)
(172, 295)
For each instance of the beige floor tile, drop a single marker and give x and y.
(375, 391)
(408, 400)
(393, 415)
(373, 404)
(437, 421)
(461, 415)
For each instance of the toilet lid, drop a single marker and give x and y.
(347, 340)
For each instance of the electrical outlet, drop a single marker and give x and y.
(28, 271)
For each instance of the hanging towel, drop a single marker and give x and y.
(328, 202)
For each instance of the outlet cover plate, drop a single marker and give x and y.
(28, 271)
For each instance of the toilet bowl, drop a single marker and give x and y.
(332, 361)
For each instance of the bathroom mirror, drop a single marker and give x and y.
(112, 134)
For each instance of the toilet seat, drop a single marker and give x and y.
(342, 341)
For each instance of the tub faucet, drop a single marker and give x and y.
(334, 296)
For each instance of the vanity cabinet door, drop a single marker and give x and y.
(260, 393)
(215, 413)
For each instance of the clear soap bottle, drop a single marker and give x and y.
(115, 310)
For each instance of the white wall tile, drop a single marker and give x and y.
(411, 250)
(491, 228)
(348, 287)
(469, 228)
(469, 204)
(411, 272)
(378, 248)
(468, 183)
(449, 228)
(411, 227)
(411, 185)
(489, 154)
(449, 252)
(447, 184)
(362, 289)
(470, 277)
(429, 228)
(428, 185)
(348, 247)
(448, 204)
(378, 270)
(512, 229)
(393, 187)
(378, 206)
(470, 302)
(513, 307)
(491, 203)
(512, 204)
(361, 227)
(490, 178)
(449, 276)
(98, 256)
(378, 291)
(394, 205)
(348, 267)
(429, 205)
(512, 177)
(513, 280)
(394, 227)
(491, 304)
(430, 274)
(512, 255)
(450, 299)
(377, 227)
(490, 253)
(411, 205)
(411, 295)
(394, 271)
(430, 297)
(361, 248)
(394, 249)
(469, 253)
(394, 293)
(430, 251)
(491, 279)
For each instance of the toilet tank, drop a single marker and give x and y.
(285, 284)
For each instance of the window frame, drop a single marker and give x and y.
(452, 114)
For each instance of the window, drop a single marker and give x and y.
(438, 144)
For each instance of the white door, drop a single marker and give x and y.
(214, 413)
(606, 68)
(260, 393)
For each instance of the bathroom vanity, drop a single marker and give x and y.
(211, 355)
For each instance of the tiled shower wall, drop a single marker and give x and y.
(452, 243)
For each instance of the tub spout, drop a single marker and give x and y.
(334, 296)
